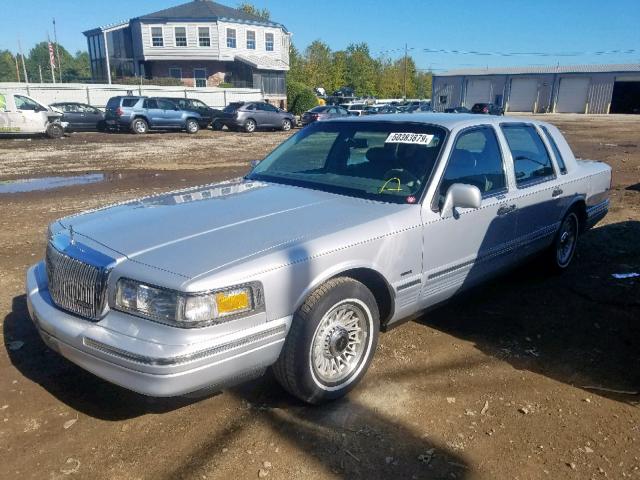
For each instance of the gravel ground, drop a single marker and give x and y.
(528, 377)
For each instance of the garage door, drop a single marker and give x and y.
(572, 95)
(478, 91)
(524, 92)
(626, 95)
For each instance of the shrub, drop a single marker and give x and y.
(159, 81)
(300, 98)
(225, 85)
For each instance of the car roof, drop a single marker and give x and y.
(449, 121)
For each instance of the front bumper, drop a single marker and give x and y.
(145, 365)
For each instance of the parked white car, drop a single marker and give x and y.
(22, 115)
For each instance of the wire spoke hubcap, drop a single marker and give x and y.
(339, 342)
(567, 242)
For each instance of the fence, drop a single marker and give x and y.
(97, 95)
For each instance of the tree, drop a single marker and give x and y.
(361, 69)
(7, 67)
(251, 9)
(296, 65)
(317, 67)
(338, 71)
(74, 68)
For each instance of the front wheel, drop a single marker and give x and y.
(192, 126)
(564, 246)
(331, 342)
(286, 125)
(55, 130)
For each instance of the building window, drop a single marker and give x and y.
(268, 42)
(204, 39)
(157, 39)
(200, 77)
(231, 38)
(443, 99)
(251, 40)
(181, 36)
(175, 73)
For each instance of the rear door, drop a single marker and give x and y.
(154, 113)
(538, 197)
(462, 250)
(171, 114)
(10, 119)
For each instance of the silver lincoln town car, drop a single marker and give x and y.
(347, 228)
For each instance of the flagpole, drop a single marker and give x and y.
(24, 67)
(51, 60)
(17, 68)
(55, 39)
(40, 70)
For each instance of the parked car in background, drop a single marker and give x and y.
(251, 116)
(209, 115)
(348, 228)
(22, 115)
(487, 109)
(419, 107)
(81, 117)
(141, 114)
(354, 108)
(457, 110)
(322, 113)
(389, 109)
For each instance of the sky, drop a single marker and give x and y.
(553, 27)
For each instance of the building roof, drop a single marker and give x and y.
(606, 68)
(205, 10)
(262, 62)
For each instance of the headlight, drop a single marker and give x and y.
(188, 310)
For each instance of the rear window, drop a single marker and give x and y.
(232, 107)
(113, 102)
(556, 150)
(129, 102)
(319, 109)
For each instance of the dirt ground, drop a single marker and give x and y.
(528, 377)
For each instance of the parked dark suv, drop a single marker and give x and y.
(209, 114)
(141, 114)
(250, 116)
(487, 109)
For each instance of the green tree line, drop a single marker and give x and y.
(75, 68)
(319, 66)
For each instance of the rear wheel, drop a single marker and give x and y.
(250, 126)
(331, 342)
(55, 130)
(139, 126)
(216, 125)
(564, 246)
(286, 125)
(192, 126)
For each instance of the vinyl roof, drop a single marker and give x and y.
(605, 68)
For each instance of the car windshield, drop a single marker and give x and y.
(386, 161)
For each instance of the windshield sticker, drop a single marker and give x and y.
(415, 138)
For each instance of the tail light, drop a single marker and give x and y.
(485, 110)
(119, 111)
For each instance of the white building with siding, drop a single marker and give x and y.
(558, 89)
(200, 43)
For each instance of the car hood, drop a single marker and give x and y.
(204, 229)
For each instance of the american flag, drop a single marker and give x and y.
(52, 58)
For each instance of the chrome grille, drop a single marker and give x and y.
(74, 285)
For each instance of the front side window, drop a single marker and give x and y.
(166, 105)
(268, 42)
(157, 39)
(384, 161)
(475, 160)
(231, 38)
(251, 40)
(556, 150)
(181, 36)
(531, 160)
(25, 103)
(150, 103)
(204, 38)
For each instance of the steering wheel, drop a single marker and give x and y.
(407, 178)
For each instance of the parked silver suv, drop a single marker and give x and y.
(250, 116)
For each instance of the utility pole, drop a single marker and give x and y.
(17, 68)
(40, 70)
(55, 39)
(24, 66)
(405, 71)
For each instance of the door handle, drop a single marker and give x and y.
(557, 192)
(505, 210)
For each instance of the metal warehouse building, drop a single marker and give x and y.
(557, 89)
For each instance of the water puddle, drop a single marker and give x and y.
(48, 183)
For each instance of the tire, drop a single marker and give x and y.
(320, 332)
(286, 125)
(139, 126)
(564, 245)
(55, 130)
(250, 126)
(216, 126)
(192, 126)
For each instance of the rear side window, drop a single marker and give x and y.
(531, 160)
(556, 151)
(476, 160)
(129, 102)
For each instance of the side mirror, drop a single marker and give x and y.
(460, 195)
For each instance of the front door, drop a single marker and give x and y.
(462, 250)
(30, 118)
(172, 117)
